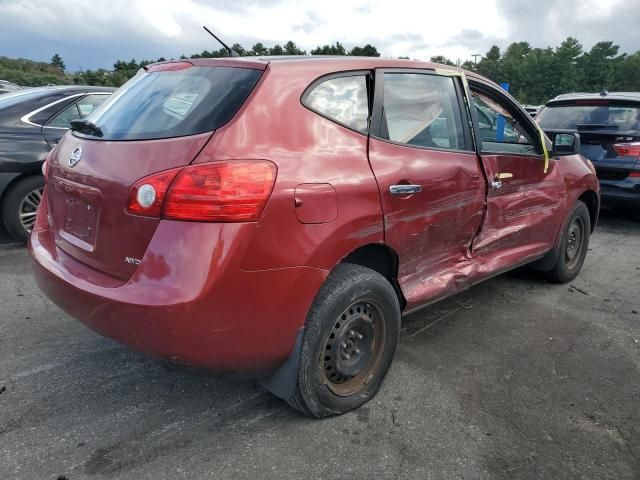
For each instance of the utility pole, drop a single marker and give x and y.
(475, 58)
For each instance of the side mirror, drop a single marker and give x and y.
(566, 143)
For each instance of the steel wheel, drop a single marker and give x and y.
(28, 208)
(353, 348)
(575, 242)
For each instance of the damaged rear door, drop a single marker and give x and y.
(523, 199)
(431, 185)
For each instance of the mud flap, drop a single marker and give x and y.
(547, 262)
(284, 381)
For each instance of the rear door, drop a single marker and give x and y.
(431, 185)
(159, 120)
(522, 198)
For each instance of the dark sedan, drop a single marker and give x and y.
(609, 127)
(32, 121)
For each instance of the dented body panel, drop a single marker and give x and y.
(233, 296)
(431, 231)
(522, 207)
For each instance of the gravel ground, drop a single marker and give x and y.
(515, 378)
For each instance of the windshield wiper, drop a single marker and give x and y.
(85, 126)
(596, 126)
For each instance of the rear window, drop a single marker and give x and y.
(165, 104)
(590, 117)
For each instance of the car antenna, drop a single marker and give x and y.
(232, 53)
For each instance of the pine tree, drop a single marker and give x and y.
(56, 61)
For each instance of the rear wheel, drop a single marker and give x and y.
(20, 206)
(350, 337)
(574, 245)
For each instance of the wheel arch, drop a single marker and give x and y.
(590, 199)
(382, 259)
(14, 181)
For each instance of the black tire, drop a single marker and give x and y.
(13, 202)
(342, 365)
(573, 246)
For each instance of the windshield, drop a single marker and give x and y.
(591, 117)
(165, 104)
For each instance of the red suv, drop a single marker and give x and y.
(278, 216)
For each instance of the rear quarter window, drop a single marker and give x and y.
(341, 99)
(174, 103)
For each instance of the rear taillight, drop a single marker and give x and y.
(147, 195)
(234, 191)
(627, 149)
(634, 174)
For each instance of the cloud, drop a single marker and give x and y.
(547, 22)
(309, 23)
(94, 33)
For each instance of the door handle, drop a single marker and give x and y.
(409, 189)
(496, 184)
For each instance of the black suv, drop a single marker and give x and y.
(609, 128)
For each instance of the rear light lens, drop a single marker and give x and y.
(147, 195)
(634, 174)
(627, 149)
(234, 191)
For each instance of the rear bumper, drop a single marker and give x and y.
(203, 311)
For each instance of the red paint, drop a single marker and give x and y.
(524, 209)
(316, 203)
(430, 231)
(232, 296)
(112, 168)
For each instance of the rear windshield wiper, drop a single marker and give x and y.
(85, 126)
(596, 126)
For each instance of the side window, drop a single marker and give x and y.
(500, 131)
(79, 109)
(63, 119)
(422, 110)
(342, 99)
(89, 103)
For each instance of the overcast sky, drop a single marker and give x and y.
(94, 33)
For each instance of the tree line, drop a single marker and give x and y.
(537, 74)
(534, 74)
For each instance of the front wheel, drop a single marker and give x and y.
(350, 338)
(573, 246)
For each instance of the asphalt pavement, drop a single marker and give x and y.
(515, 378)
